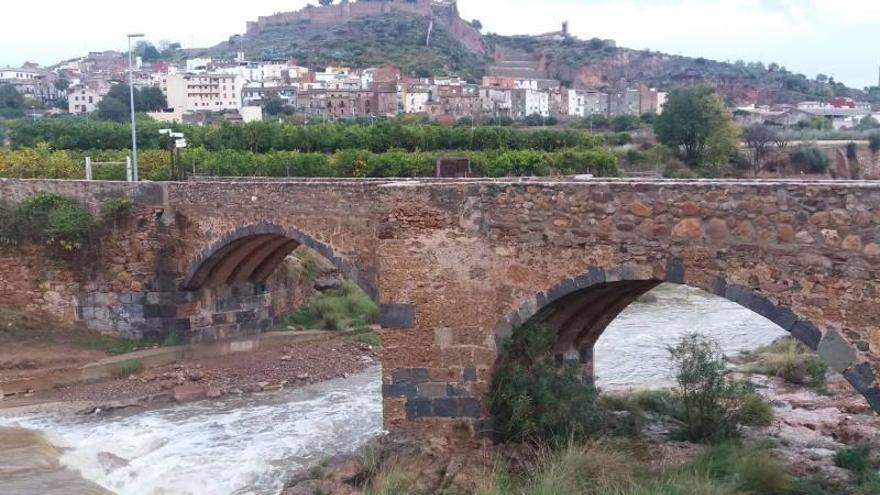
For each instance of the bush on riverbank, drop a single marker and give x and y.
(45, 163)
(792, 361)
(533, 399)
(712, 406)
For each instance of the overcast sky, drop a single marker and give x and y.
(835, 37)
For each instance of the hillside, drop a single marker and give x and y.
(325, 36)
(599, 63)
(389, 38)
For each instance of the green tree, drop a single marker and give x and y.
(61, 103)
(696, 123)
(151, 100)
(112, 109)
(11, 102)
(61, 84)
(325, 3)
(273, 105)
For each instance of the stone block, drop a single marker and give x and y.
(784, 317)
(87, 313)
(806, 333)
(740, 295)
(409, 375)
(861, 377)
(445, 408)
(470, 374)
(134, 310)
(594, 276)
(431, 390)
(159, 311)
(675, 270)
(469, 408)
(873, 397)
(398, 316)
(406, 390)
(834, 349)
(419, 408)
(453, 390)
(562, 289)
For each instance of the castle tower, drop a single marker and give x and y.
(565, 29)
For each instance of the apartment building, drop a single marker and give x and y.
(203, 92)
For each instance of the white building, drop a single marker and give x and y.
(203, 92)
(530, 102)
(576, 102)
(415, 99)
(82, 99)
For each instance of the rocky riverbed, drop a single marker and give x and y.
(268, 369)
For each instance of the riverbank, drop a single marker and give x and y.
(800, 452)
(265, 369)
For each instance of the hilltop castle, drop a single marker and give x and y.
(444, 11)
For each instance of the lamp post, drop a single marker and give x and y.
(134, 148)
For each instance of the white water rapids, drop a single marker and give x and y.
(251, 445)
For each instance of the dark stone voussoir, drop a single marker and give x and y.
(861, 376)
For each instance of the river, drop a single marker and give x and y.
(251, 445)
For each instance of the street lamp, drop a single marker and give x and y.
(134, 147)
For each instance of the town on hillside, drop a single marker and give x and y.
(514, 88)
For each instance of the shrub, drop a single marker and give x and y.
(857, 460)
(852, 151)
(60, 223)
(345, 307)
(810, 160)
(115, 209)
(792, 361)
(532, 399)
(711, 403)
(874, 142)
(755, 411)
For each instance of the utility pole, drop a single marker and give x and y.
(134, 149)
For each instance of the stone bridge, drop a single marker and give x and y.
(457, 264)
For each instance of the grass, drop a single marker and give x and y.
(339, 309)
(118, 346)
(128, 368)
(603, 467)
(600, 469)
(792, 361)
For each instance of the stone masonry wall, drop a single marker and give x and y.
(457, 264)
(477, 259)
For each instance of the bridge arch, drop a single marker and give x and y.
(252, 253)
(582, 307)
